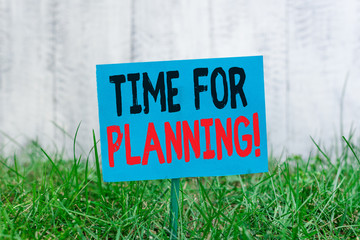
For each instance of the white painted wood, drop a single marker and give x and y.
(49, 49)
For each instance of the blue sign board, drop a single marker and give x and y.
(185, 118)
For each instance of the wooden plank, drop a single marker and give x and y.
(320, 57)
(5, 62)
(48, 53)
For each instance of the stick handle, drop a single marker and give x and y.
(174, 207)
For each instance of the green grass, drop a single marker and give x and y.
(43, 195)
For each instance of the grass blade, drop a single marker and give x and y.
(98, 173)
(53, 164)
(352, 149)
(322, 152)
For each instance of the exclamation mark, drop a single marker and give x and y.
(256, 134)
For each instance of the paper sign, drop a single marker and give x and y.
(186, 118)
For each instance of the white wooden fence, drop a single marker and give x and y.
(49, 49)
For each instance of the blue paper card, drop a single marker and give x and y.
(185, 118)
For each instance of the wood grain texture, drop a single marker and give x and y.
(49, 49)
